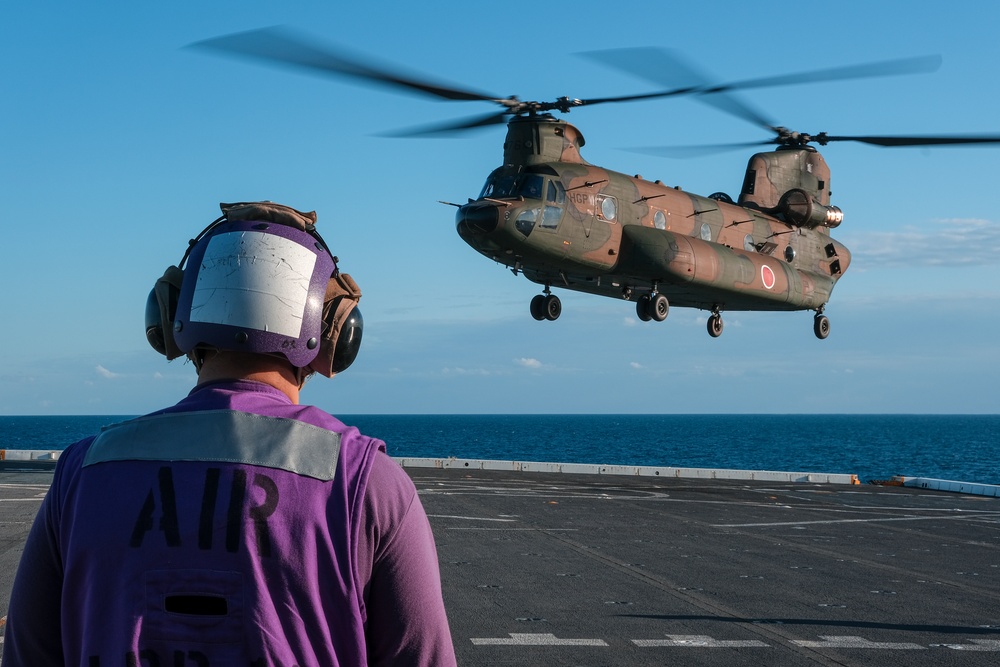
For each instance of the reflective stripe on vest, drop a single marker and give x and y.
(224, 436)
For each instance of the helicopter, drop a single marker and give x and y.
(562, 222)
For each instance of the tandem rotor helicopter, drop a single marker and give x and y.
(562, 222)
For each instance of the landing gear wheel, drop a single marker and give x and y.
(538, 307)
(715, 325)
(552, 307)
(642, 308)
(821, 326)
(658, 307)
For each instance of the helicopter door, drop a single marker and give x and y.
(598, 216)
(597, 208)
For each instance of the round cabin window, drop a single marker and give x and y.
(660, 220)
(608, 208)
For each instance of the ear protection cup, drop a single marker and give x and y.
(348, 341)
(342, 326)
(161, 306)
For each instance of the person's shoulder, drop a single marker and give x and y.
(70, 464)
(311, 414)
(390, 493)
(386, 472)
(391, 508)
(72, 457)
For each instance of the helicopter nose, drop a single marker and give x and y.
(477, 220)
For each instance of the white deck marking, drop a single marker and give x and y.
(976, 645)
(698, 641)
(964, 517)
(535, 639)
(848, 641)
(469, 518)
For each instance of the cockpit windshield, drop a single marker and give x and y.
(499, 184)
(530, 186)
(502, 184)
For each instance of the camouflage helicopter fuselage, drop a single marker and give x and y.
(548, 213)
(563, 222)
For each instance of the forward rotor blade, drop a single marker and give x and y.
(684, 152)
(688, 90)
(452, 128)
(280, 46)
(668, 68)
(726, 103)
(660, 66)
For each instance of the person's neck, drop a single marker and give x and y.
(256, 367)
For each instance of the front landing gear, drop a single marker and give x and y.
(546, 306)
(715, 323)
(652, 307)
(821, 325)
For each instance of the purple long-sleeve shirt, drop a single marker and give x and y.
(235, 528)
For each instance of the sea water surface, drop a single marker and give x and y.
(955, 447)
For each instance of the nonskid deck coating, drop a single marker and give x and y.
(566, 569)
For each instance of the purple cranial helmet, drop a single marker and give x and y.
(260, 279)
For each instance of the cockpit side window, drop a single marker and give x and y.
(556, 193)
(555, 197)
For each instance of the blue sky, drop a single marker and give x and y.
(117, 144)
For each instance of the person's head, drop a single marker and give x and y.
(259, 283)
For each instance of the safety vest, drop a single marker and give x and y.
(214, 537)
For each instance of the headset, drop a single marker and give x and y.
(259, 279)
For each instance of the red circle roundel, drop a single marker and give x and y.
(767, 276)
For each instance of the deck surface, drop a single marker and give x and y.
(566, 569)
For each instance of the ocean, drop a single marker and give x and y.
(874, 447)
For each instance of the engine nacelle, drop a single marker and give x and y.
(800, 209)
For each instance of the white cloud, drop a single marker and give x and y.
(946, 242)
(465, 371)
(636, 365)
(528, 362)
(105, 373)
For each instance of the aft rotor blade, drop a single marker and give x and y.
(954, 140)
(281, 46)
(918, 65)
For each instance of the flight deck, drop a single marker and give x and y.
(567, 568)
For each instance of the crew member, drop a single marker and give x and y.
(237, 527)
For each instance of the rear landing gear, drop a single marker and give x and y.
(715, 324)
(546, 306)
